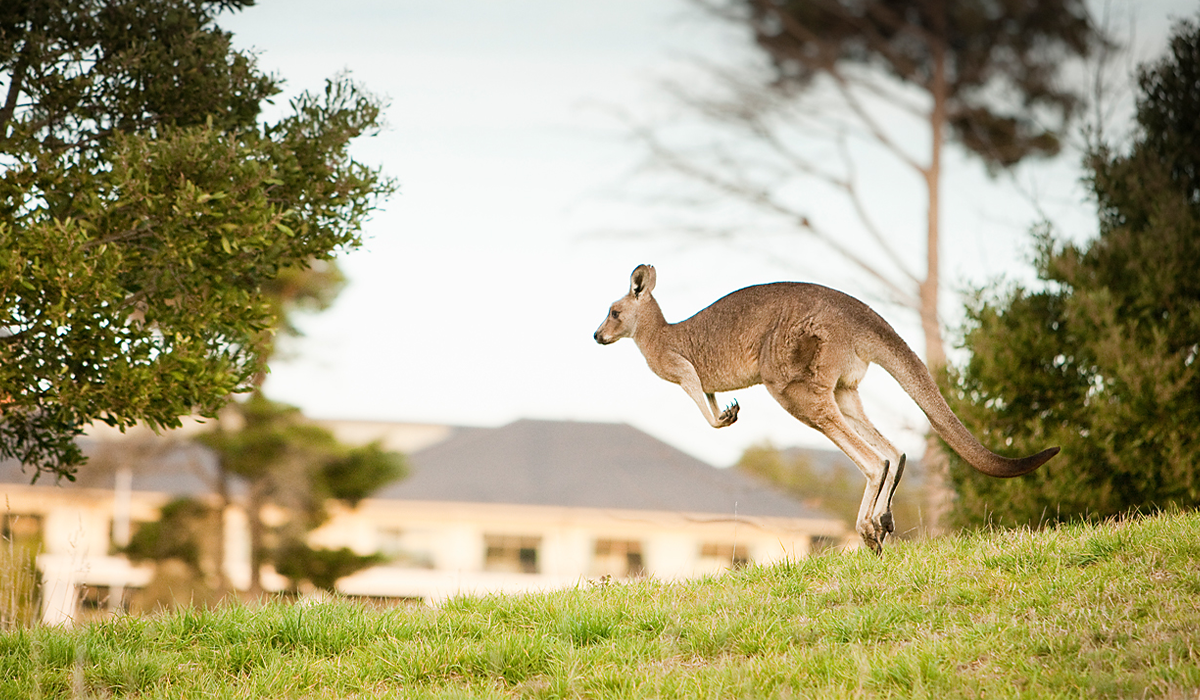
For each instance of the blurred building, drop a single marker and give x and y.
(533, 505)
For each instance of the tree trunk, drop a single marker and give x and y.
(254, 506)
(222, 576)
(938, 490)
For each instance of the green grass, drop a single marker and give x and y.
(1110, 610)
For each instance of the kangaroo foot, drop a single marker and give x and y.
(881, 527)
(885, 523)
(872, 534)
(872, 540)
(896, 481)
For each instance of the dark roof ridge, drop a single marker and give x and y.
(574, 463)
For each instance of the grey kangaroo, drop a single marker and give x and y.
(810, 346)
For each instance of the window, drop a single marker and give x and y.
(21, 530)
(618, 558)
(511, 554)
(97, 602)
(821, 543)
(406, 548)
(719, 556)
(20, 544)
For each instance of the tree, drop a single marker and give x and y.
(186, 544)
(839, 74)
(144, 210)
(1105, 349)
(297, 467)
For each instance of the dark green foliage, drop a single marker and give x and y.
(186, 544)
(84, 70)
(359, 472)
(320, 567)
(1169, 107)
(173, 535)
(969, 51)
(297, 466)
(1102, 358)
(272, 434)
(146, 215)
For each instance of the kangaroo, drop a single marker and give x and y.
(810, 346)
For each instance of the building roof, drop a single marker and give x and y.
(528, 462)
(583, 465)
(171, 467)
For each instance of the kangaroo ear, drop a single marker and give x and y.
(641, 281)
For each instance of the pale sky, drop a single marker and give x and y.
(474, 298)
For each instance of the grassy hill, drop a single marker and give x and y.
(1078, 612)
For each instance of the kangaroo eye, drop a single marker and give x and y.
(615, 314)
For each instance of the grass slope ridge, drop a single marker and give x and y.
(1086, 611)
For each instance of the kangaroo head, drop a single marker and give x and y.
(623, 314)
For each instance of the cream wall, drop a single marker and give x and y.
(76, 542)
(77, 527)
(671, 543)
(77, 530)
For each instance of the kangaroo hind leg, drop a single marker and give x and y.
(818, 409)
(850, 404)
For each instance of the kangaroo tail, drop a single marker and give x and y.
(902, 363)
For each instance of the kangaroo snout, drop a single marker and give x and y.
(613, 329)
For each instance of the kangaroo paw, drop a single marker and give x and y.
(728, 416)
(882, 483)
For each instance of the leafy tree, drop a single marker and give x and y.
(148, 221)
(1101, 357)
(186, 544)
(298, 467)
(321, 567)
(840, 74)
(173, 535)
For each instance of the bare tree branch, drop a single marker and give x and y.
(873, 126)
(867, 220)
(763, 199)
(746, 112)
(880, 90)
(15, 84)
